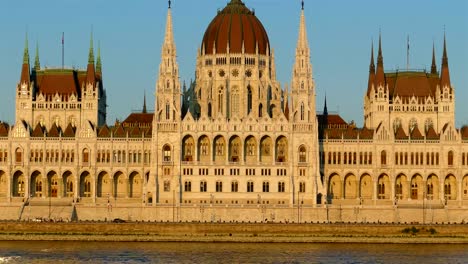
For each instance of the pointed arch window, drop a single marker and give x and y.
(302, 112)
(235, 102)
(85, 155)
(249, 99)
(167, 153)
(220, 100)
(302, 154)
(168, 111)
(450, 158)
(383, 157)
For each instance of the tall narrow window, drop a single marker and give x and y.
(250, 186)
(219, 186)
(167, 153)
(266, 187)
(168, 111)
(85, 156)
(188, 186)
(234, 186)
(220, 100)
(249, 100)
(203, 187)
(383, 157)
(450, 158)
(302, 187)
(302, 111)
(302, 154)
(260, 111)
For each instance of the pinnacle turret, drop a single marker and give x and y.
(445, 74)
(98, 60)
(26, 51)
(433, 66)
(37, 64)
(380, 75)
(91, 51)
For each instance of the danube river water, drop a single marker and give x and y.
(141, 252)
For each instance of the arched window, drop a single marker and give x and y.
(250, 186)
(19, 155)
(209, 110)
(302, 111)
(203, 186)
(234, 186)
(188, 186)
(85, 156)
(260, 111)
(266, 187)
(249, 100)
(168, 111)
(383, 157)
(302, 187)
(281, 187)
(302, 154)
(220, 100)
(450, 158)
(167, 153)
(235, 101)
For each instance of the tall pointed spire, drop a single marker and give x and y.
(302, 41)
(98, 60)
(325, 109)
(25, 74)
(445, 74)
(371, 71)
(26, 51)
(169, 36)
(380, 75)
(91, 72)
(144, 103)
(433, 66)
(37, 64)
(91, 51)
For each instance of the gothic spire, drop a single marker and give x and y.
(98, 60)
(445, 74)
(325, 109)
(302, 41)
(371, 71)
(169, 36)
(91, 51)
(37, 64)
(433, 66)
(144, 100)
(380, 75)
(26, 51)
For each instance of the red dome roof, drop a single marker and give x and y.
(235, 24)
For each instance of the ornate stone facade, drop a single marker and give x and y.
(233, 139)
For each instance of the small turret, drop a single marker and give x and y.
(433, 66)
(37, 64)
(90, 72)
(371, 72)
(25, 74)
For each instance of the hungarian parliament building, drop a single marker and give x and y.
(234, 144)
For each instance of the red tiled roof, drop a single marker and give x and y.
(350, 133)
(63, 82)
(400, 134)
(104, 132)
(119, 131)
(366, 133)
(138, 119)
(235, 26)
(408, 84)
(464, 132)
(38, 131)
(135, 132)
(416, 134)
(334, 133)
(54, 131)
(431, 134)
(3, 129)
(69, 131)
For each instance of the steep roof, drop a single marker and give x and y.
(119, 132)
(54, 131)
(431, 134)
(416, 134)
(104, 132)
(400, 134)
(411, 83)
(69, 131)
(138, 119)
(3, 129)
(38, 131)
(366, 133)
(464, 132)
(61, 81)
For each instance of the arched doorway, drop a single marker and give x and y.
(350, 187)
(120, 185)
(365, 187)
(85, 184)
(383, 187)
(219, 149)
(266, 149)
(432, 187)
(450, 188)
(53, 184)
(37, 185)
(136, 185)
(235, 147)
(334, 187)
(416, 187)
(104, 187)
(18, 184)
(401, 187)
(69, 184)
(250, 149)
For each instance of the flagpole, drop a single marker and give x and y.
(407, 54)
(63, 50)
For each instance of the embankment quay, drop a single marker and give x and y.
(230, 232)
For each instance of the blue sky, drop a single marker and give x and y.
(131, 33)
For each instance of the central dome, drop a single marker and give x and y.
(235, 25)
